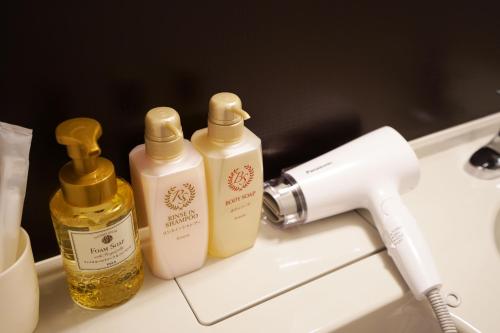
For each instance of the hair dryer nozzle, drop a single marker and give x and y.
(284, 203)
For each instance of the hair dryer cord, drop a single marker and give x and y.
(441, 311)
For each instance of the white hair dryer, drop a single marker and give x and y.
(369, 172)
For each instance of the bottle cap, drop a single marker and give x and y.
(163, 133)
(226, 117)
(88, 179)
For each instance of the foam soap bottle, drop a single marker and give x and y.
(94, 219)
(233, 164)
(168, 178)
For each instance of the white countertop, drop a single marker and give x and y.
(333, 275)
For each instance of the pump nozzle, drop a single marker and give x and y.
(163, 133)
(225, 117)
(88, 179)
(242, 113)
(80, 136)
(225, 109)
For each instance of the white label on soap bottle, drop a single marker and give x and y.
(106, 248)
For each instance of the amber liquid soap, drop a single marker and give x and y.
(101, 288)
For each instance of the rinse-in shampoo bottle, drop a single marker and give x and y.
(168, 178)
(233, 164)
(94, 220)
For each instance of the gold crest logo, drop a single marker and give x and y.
(240, 178)
(180, 197)
(107, 239)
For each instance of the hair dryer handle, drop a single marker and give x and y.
(406, 245)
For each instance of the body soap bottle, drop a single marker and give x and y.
(168, 177)
(233, 163)
(94, 220)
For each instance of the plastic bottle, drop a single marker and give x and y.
(233, 164)
(168, 178)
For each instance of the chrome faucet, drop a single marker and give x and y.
(485, 162)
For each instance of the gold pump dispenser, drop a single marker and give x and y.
(163, 134)
(94, 220)
(87, 180)
(226, 117)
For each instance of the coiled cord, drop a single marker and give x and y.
(441, 311)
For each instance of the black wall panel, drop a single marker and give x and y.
(313, 75)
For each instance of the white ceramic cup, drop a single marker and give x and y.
(19, 293)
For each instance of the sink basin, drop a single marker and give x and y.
(497, 232)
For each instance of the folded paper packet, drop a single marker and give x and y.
(15, 142)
